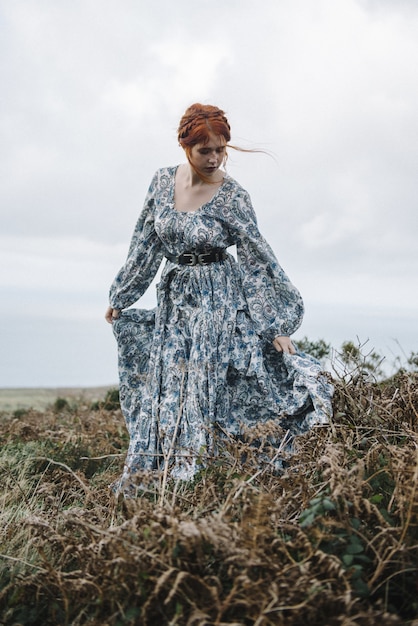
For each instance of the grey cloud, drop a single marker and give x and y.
(91, 106)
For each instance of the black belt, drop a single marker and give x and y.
(198, 258)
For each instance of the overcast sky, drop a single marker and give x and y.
(91, 95)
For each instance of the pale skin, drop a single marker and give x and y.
(191, 192)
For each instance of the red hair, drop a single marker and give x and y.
(198, 122)
(196, 125)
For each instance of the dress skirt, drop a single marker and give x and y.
(194, 369)
(202, 364)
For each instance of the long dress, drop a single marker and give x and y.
(202, 362)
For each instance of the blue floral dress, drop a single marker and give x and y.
(202, 362)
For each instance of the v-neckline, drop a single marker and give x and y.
(173, 204)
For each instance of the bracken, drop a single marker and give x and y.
(330, 541)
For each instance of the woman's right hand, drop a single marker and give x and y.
(111, 314)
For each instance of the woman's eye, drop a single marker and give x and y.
(207, 151)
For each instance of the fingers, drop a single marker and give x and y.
(292, 349)
(283, 344)
(111, 314)
(287, 349)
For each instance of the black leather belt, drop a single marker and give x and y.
(198, 258)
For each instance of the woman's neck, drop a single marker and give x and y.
(192, 179)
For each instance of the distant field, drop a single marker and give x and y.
(25, 398)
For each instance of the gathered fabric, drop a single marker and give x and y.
(202, 362)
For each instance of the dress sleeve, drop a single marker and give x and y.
(274, 303)
(144, 257)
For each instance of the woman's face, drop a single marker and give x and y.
(207, 158)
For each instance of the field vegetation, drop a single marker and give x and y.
(331, 540)
(13, 399)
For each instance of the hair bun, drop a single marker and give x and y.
(198, 121)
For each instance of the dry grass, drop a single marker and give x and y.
(333, 540)
(15, 398)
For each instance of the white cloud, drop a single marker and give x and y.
(60, 265)
(92, 93)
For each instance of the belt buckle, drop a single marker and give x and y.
(200, 258)
(194, 258)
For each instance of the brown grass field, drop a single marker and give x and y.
(12, 399)
(332, 540)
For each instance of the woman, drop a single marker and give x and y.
(215, 356)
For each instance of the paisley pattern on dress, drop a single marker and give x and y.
(202, 363)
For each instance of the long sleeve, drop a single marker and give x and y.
(274, 303)
(144, 257)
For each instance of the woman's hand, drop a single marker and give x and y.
(283, 344)
(111, 314)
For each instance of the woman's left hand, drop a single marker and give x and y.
(283, 344)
